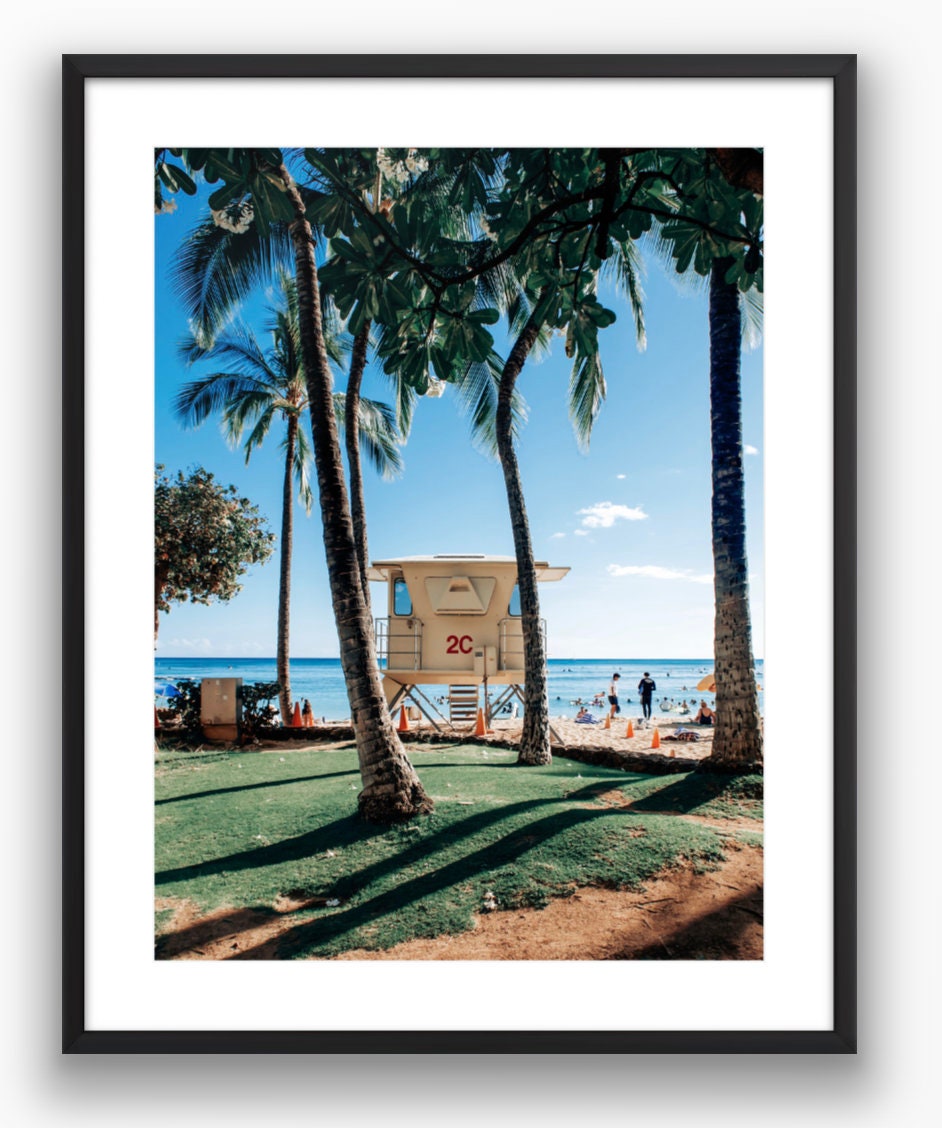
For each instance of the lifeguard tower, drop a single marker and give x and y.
(453, 621)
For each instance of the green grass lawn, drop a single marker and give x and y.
(241, 829)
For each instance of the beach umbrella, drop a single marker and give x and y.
(166, 689)
(707, 685)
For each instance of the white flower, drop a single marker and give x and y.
(236, 218)
(485, 227)
(415, 164)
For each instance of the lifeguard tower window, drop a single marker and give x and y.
(514, 608)
(402, 601)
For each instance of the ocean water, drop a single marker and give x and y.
(572, 681)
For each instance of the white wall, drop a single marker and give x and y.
(889, 1081)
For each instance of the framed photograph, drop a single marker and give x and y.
(576, 771)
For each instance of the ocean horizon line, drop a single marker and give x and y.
(336, 658)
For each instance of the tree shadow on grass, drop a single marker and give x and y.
(684, 795)
(351, 830)
(502, 853)
(255, 786)
(341, 832)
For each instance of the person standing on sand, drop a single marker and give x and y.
(613, 696)
(646, 688)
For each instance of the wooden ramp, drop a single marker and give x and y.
(462, 704)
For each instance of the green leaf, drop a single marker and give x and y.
(228, 194)
(176, 179)
(484, 316)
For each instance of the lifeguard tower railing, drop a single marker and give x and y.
(510, 643)
(403, 650)
(399, 651)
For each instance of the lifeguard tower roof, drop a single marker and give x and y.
(382, 569)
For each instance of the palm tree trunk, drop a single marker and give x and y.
(737, 739)
(284, 587)
(352, 428)
(535, 737)
(391, 789)
(160, 578)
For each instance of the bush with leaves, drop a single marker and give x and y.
(257, 714)
(205, 537)
(183, 711)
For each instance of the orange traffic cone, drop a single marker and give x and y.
(656, 740)
(630, 731)
(608, 721)
(403, 725)
(307, 715)
(480, 727)
(296, 721)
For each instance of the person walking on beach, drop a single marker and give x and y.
(646, 688)
(613, 696)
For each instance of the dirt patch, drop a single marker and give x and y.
(681, 915)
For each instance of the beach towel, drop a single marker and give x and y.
(586, 721)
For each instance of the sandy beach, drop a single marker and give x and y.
(597, 742)
(569, 736)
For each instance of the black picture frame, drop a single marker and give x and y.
(840, 70)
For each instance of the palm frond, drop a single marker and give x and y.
(214, 270)
(337, 341)
(240, 413)
(303, 461)
(404, 401)
(197, 400)
(238, 347)
(259, 432)
(586, 393)
(380, 438)
(624, 267)
(476, 391)
(752, 306)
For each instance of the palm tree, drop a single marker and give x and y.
(458, 258)
(729, 182)
(737, 740)
(257, 387)
(273, 208)
(586, 394)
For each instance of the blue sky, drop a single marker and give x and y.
(631, 517)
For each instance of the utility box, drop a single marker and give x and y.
(485, 661)
(221, 708)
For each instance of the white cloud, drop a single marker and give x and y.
(604, 514)
(656, 572)
(201, 644)
(621, 475)
(580, 532)
(747, 449)
(556, 536)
